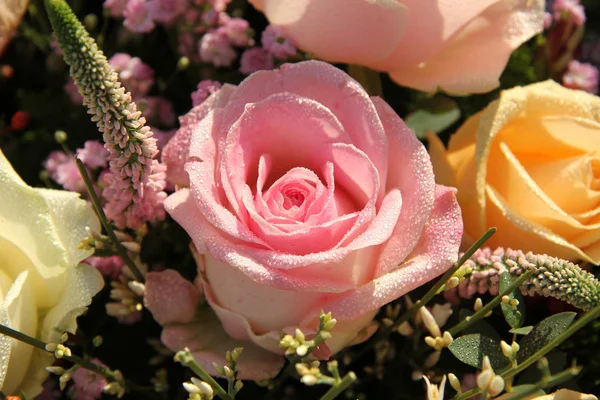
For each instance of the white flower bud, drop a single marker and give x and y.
(496, 386)
(429, 322)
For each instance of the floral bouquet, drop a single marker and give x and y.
(297, 199)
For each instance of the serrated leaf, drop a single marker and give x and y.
(423, 120)
(522, 331)
(482, 326)
(543, 333)
(514, 318)
(471, 348)
(517, 390)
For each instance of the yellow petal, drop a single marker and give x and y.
(518, 232)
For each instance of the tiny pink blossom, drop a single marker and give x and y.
(166, 11)
(216, 49)
(63, 170)
(547, 20)
(204, 89)
(275, 42)
(163, 137)
(219, 5)
(237, 31)
(115, 8)
(138, 17)
(255, 59)
(210, 17)
(108, 266)
(134, 74)
(581, 76)
(72, 91)
(93, 154)
(88, 385)
(157, 110)
(571, 8)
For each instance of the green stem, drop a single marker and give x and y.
(291, 367)
(5, 330)
(547, 382)
(107, 226)
(201, 372)
(577, 325)
(369, 79)
(490, 306)
(438, 285)
(335, 391)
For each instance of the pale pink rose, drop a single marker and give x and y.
(458, 46)
(304, 194)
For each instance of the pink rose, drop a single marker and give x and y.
(460, 46)
(304, 194)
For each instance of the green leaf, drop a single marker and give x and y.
(471, 348)
(522, 331)
(543, 333)
(514, 318)
(482, 326)
(436, 116)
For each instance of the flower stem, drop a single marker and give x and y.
(336, 390)
(105, 223)
(369, 79)
(5, 330)
(442, 281)
(489, 306)
(192, 364)
(547, 382)
(577, 325)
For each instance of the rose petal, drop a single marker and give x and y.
(330, 87)
(208, 343)
(434, 254)
(59, 218)
(175, 153)
(356, 31)
(265, 266)
(410, 171)
(273, 126)
(170, 298)
(517, 232)
(429, 27)
(481, 47)
(20, 307)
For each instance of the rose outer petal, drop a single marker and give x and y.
(170, 298)
(411, 172)
(208, 343)
(176, 152)
(349, 31)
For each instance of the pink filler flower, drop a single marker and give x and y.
(301, 193)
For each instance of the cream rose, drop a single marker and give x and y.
(43, 288)
(529, 164)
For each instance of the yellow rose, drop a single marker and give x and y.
(562, 394)
(43, 288)
(529, 164)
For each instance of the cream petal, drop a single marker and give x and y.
(59, 219)
(23, 317)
